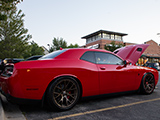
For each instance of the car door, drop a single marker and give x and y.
(113, 75)
(89, 77)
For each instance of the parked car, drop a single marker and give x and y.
(35, 57)
(9, 63)
(62, 77)
(153, 65)
(12, 60)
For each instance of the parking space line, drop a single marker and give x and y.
(104, 109)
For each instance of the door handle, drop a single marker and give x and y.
(102, 68)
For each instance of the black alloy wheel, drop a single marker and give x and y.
(63, 94)
(147, 84)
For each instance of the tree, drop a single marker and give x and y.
(57, 43)
(73, 46)
(113, 46)
(60, 43)
(13, 35)
(7, 5)
(34, 50)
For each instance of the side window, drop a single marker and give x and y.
(107, 58)
(88, 56)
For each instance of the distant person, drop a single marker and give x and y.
(145, 61)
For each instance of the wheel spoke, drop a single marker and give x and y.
(71, 95)
(71, 88)
(59, 87)
(68, 101)
(64, 84)
(67, 84)
(56, 93)
(60, 100)
(148, 88)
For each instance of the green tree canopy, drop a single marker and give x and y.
(73, 46)
(7, 5)
(34, 50)
(57, 44)
(113, 46)
(13, 35)
(60, 43)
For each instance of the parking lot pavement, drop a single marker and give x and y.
(11, 111)
(2, 116)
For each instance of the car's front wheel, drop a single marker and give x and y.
(147, 84)
(63, 93)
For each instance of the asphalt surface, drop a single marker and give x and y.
(11, 111)
(127, 107)
(2, 115)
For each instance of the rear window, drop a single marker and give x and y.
(88, 56)
(52, 55)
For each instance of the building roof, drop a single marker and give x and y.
(103, 31)
(153, 50)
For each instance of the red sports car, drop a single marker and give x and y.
(62, 77)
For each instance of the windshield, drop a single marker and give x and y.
(52, 55)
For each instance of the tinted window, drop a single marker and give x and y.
(52, 55)
(107, 58)
(88, 56)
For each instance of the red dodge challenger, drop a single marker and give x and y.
(62, 77)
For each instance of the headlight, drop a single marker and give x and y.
(4, 61)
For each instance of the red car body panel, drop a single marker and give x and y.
(30, 79)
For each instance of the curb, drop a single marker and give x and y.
(2, 115)
(10, 111)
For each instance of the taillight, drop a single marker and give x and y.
(8, 70)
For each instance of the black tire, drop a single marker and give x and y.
(63, 94)
(147, 84)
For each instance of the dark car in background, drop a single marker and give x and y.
(12, 60)
(153, 65)
(35, 57)
(8, 64)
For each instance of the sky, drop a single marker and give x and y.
(73, 19)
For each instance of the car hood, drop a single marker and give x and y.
(131, 53)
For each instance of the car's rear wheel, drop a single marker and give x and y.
(63, 94)
(147, 84)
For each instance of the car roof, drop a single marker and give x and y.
(74, 53)
(87, 49)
